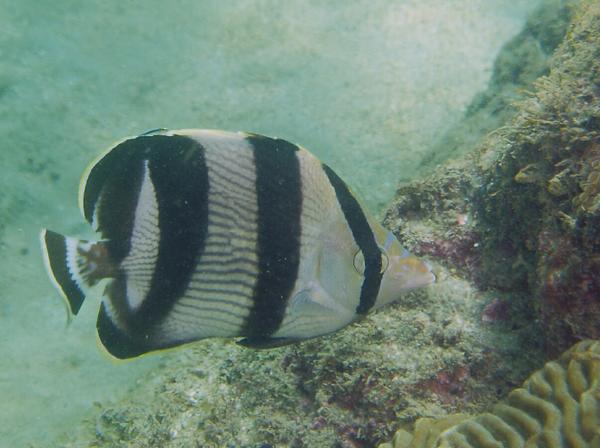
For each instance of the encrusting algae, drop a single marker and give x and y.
(559, 405)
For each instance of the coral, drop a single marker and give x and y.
(425, 433)
(545, 224)
(559, 405)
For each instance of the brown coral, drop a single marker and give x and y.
(557, 406)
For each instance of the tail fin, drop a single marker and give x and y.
(74, 265)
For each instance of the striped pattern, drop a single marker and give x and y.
(219, 296)
(183, 219)
(111, 195)
(142, 258)
(137, 177)
(322, 223)
(59, 260)
(222, 234)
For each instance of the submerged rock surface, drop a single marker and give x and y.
(427, 356)
(522, 212)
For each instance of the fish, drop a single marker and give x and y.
(206, 233)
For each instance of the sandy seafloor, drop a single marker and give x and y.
(368, 86)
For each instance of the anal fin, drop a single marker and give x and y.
(117, 341)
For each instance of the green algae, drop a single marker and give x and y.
(544, 219)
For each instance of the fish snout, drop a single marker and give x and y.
(413, 272)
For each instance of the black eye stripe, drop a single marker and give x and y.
(364, 237)
(359, 261)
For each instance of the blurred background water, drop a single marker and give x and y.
(368, 86)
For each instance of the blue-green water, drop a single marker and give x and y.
(366, 85)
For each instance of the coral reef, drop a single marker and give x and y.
(522, 212)
(559, 405)
(539, 205)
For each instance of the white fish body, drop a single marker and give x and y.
(218, 234)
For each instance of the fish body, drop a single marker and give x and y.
(215, 234)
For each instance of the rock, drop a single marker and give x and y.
(532, 192)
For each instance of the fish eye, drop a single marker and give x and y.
(385, 261)
(359, 261)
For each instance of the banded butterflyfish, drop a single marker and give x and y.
(216, 234)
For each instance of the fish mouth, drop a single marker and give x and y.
(432, 278)
(430, 272)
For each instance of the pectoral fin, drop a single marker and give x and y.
(314, 300)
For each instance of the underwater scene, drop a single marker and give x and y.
(260, 224)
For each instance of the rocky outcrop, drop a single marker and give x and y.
(522, 213)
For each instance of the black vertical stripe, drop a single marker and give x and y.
(363, 235)
(111, 191)
(279, 200)
(180, 176)
(178, 171)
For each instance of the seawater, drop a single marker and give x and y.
(368, 86)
